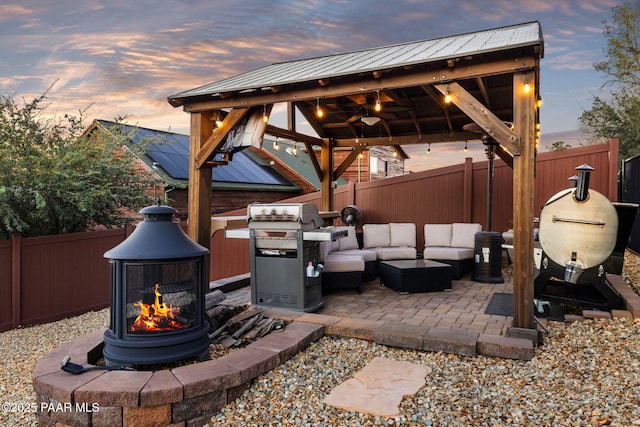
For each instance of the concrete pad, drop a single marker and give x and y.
(529, 334)
(379, 387)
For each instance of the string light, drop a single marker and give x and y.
(294, 150)
(539, 101)
(429, 149)
(447, 96)
(276, 146)
(378, 106)
(217, 120)
(465, 147)
(527, 86)
(319, 112)
(265, 118)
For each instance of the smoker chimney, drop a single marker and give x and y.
(582, 190)
(573, 181)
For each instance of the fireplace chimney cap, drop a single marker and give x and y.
(157, 237)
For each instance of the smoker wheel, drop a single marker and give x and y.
(545, 310)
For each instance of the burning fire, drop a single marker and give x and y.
(157, 316)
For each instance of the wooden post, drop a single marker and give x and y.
(16, 281)
(523, 199)
(326, 188)
(199, 182)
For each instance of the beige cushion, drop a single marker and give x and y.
(328, 246)
(366, 254)
(437, 234)
(447, 253)
(403, 252)
(350, 241)
(463, 235)
(336, 263)
(376, 235)
(403, 234)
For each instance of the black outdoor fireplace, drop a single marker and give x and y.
(157, 294)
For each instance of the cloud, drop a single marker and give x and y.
(127, 57)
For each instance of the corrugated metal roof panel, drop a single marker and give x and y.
(376, 59)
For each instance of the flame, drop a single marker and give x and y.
(156, 317)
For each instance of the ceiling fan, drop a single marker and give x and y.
(370, 118)
(371, 110)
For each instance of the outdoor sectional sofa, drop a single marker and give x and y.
(451, 244)
(347, 263)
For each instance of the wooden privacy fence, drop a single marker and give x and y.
(49, 278)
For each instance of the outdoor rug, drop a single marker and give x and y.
(501, 304)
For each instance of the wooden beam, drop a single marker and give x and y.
(292, 135)
(483, 91)
(291, 117)
(217, 137)
(481, 115)
(291, 93)
(326, 186)
(308, 141)
(506, 157)
(199, 224)
(432, 138)
(310, 115)
(524, 119)
(348, 160)
(428, 89)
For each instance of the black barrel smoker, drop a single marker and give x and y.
(582, 235)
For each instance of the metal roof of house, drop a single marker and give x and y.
(171, 152)
(376, 59)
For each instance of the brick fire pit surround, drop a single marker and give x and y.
(187, 395)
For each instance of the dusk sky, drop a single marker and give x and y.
(124, 58)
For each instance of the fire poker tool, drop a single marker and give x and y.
(74, 368)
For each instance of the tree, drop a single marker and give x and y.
(558, 146)
(54, 179)
(621, 115)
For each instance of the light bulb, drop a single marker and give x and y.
(465, 147)
(447, 98)
(319, 112)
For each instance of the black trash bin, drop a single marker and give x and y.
(488, 257)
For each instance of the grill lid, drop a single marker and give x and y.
(302, 213)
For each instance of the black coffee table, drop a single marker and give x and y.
(415, 275)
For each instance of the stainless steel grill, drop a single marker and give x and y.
(284, 244)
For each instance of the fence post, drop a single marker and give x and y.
(16, 297)
(614, 156)
(468, 189)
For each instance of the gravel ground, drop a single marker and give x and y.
(585, 374)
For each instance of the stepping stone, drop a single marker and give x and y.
(379, 387)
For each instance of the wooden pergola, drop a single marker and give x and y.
(429, 92)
